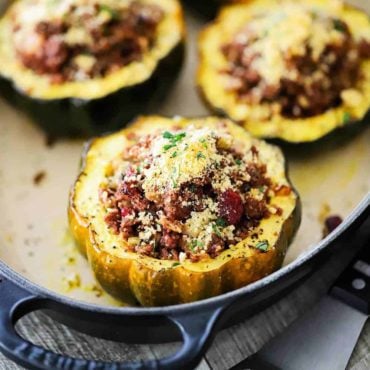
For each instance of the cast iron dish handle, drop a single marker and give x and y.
(196, 330)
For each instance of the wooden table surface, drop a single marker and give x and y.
(230, 345)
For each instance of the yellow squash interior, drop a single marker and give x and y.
(230, 20)
(170, 33)
(130, 276)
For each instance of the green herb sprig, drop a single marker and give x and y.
(204, 143)
(195, 243)
(263, 245)
(175, 176)
(173, 139)
(338, 25)
(200, 155)
(112, 12)
(346, 117)
(220, 223)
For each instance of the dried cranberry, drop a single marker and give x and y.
(126, 211)
(332, 222)
(231, 206)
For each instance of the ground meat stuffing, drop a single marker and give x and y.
(87, 41)
(295, 59)
(187, 194)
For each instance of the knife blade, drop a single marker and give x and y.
(323, 338)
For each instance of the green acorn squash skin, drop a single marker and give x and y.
(69, 117)
(339, 136)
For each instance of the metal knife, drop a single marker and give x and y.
(324, 338)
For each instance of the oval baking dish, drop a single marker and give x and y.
(331, 179)
(83, 67)
(293, 71)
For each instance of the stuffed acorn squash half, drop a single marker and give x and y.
(177, 210)
(81, 67)
(289, 70)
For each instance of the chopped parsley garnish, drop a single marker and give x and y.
(138, 169)
(174, 154)
(195, 243)
(339, 25)
(176, 264)
(261, 189)
(346, 117)
(220, 222)
(200, 155)
(168, 146)
(112, 12)
(216, 230)
(262, 245)
(167, 135)
(204, 143)
(238, 162)
(175, 175)
(173, 139)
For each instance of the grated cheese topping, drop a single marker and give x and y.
(176, 163)
(287, 32)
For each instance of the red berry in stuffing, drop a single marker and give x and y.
(231, 207)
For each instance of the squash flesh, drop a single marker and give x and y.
(130, 276)
(211, 86)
